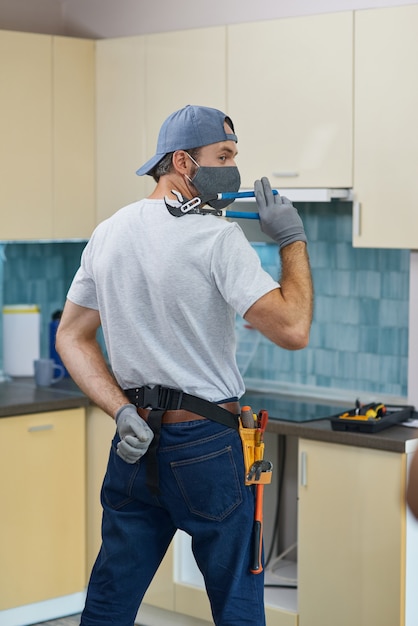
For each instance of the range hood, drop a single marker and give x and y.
(315, 194)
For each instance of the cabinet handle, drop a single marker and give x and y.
(356, 219)
(284, 174)
(303, 473)
(34, 429)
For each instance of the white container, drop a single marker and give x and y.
(21, 338)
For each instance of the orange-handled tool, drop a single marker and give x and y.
(257, 566)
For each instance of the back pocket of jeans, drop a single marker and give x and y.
(209, 484)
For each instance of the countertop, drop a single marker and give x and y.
(20, 396)
(289, 416)
(307, 419)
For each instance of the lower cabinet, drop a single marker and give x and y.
(352, 535)
(42, 486)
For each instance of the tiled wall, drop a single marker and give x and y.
(359, 336)
(39, 273)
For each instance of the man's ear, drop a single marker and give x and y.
(181, 162)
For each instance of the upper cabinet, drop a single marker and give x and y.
(74, 194)
(290, 97)
(386, 130)
(120, 109)
(137, 89)
(26, 135)
(182, 67)
(47, 131)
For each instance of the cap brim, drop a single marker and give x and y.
(149, 165)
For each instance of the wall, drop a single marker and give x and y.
(38, 273)
(359, 335)
(359, 338)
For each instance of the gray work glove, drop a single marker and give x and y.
(278, 217)
(135, 434)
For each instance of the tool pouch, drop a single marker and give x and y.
(253, 450)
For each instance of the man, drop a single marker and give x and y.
(165, 278)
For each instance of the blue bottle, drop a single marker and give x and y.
(53, 327)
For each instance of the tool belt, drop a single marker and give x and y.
(257, 471)
(159, 399)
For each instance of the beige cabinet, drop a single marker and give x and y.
(100, 432)
(120, 123)
(386, 132)
(290, 96)
(351, 527)
(198, 56)
(74, 196)
(42, 486)
(47, 129)
(137, 90)
(26, 135)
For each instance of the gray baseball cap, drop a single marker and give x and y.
(190, 127)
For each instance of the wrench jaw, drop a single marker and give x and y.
(258, 470)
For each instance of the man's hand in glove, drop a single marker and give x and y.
(278, 217)
(135, 434)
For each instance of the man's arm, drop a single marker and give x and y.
(79, 350)
(284, 315)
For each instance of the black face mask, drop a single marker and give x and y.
(209, 181)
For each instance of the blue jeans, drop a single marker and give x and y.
(203, 493)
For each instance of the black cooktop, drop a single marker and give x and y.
(292, 409)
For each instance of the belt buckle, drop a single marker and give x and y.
(167, 398)
(151, 397)
(162, 398)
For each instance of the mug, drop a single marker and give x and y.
(45, 370)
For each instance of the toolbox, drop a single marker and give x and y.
(380, 417)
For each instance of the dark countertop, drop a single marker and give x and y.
(304, 418)
(307, 419)
(21, 396)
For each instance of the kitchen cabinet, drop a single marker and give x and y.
(26, 135)
(120, 123)
(47, 129)
(351, 535)
(42, 486)
(137, 90)
(74, 194)
(386, 133)
(290, 97)
(100, 432)
(199, 76)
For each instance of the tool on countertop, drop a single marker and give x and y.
(258, 473)
(372, 411)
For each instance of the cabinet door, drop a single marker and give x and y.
(386, 131)
(74, 137)
(199, 78)
(351, 546)
(42, 486)
(100, 432)
(290, 97)
(121, 131)
(26, 135)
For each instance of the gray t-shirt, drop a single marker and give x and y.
(167, 290)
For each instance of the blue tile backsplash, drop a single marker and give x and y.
(359, 338)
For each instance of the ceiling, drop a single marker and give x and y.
(98, 19)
